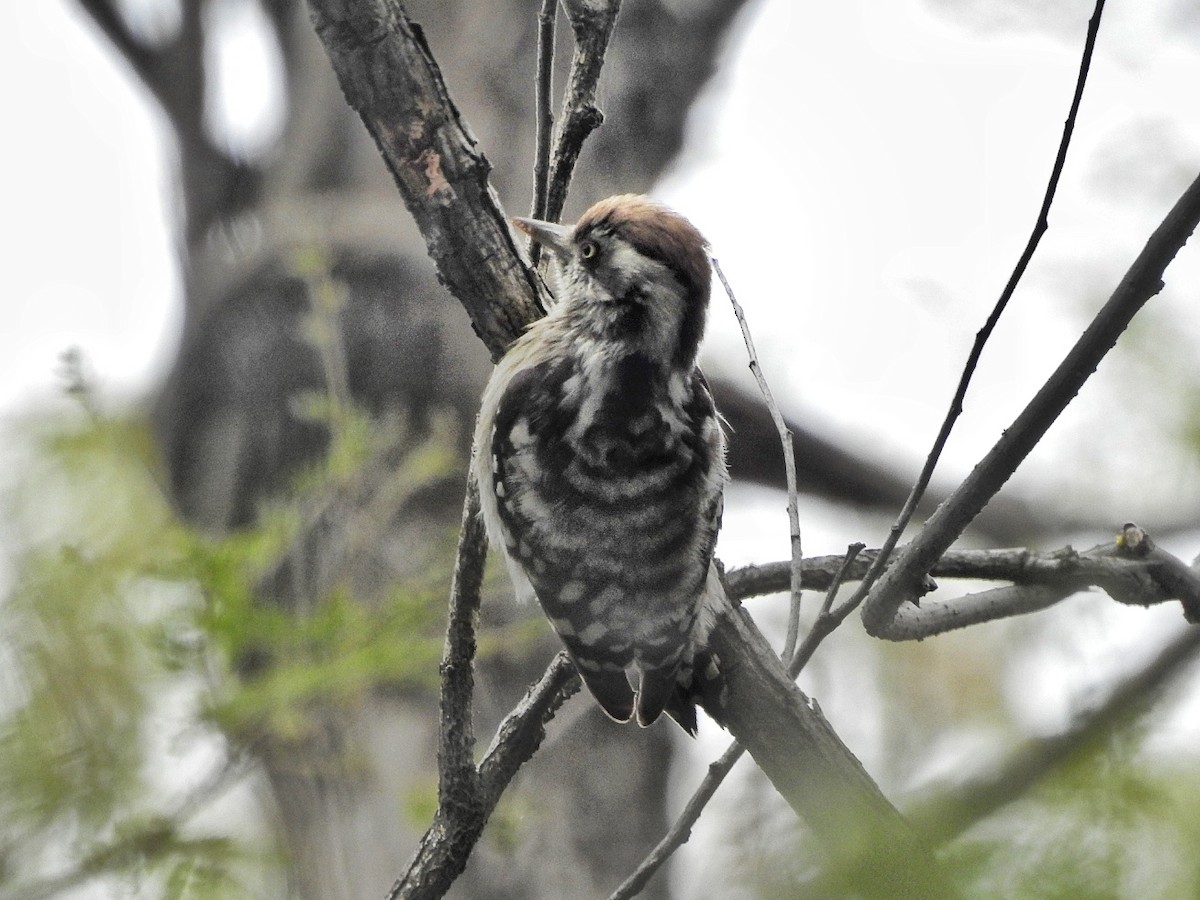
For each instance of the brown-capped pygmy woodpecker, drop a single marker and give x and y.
(600, 457)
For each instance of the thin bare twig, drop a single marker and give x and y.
(828, 619)
(789, 466)
(544, 117)
(981, 338)
(523, 729)
(443, 850)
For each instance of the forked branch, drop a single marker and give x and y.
(890, 610)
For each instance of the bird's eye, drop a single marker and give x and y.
(588, 250)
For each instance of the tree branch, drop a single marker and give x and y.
(547, 19)
(679, 832)
(829, 618)
(523, 729)
(390, 78)
(467, 795)
(812, 769)
(1140, 575)
(445, 847)
(458, 781)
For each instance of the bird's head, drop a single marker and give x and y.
(636, 270)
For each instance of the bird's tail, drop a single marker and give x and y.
(698, 687)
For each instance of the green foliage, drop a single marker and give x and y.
(196, 877)
(334, 654)
(420, 803)
(111, 603)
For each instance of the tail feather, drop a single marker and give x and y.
(682, 708)
(701, 685)
(611, 690)
(655, 692)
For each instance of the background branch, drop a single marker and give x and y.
(948, 814)
(173, 71)
(842, 475)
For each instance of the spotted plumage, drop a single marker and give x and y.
(601, 459)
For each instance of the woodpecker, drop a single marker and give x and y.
(601, 460)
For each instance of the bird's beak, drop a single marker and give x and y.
(555, 238)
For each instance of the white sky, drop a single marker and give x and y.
(88, 224)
